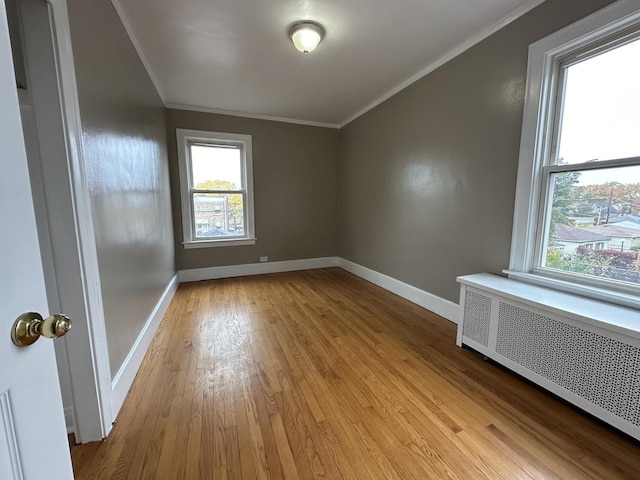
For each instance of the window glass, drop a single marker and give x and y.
(600, 118)
(223, 214)
(216, 167)
(598, 207)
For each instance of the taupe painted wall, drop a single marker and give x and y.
(427, 179)
(124, 140)
(295, 186)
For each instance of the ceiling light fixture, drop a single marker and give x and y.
(306, 35)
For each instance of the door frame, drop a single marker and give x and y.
(73, 281)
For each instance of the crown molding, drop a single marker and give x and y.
(257, 116)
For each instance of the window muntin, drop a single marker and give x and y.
(216, 188)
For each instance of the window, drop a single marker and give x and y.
(216, 188)
(579, 166)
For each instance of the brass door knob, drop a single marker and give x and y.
(29, 326)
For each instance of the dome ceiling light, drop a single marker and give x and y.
(306, 35)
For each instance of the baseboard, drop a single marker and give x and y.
(444, 308)
(124, 378)
(68, 419)
(212, 273)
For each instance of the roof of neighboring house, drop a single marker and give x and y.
(614, 230)
(628, 224)
(216, 232)
(568, 233)
(588, 220)
(625, 218)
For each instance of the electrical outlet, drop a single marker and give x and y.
(264, 259)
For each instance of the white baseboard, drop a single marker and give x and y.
(124, 378)
(212, 273)
(68, 419)
(444, 308)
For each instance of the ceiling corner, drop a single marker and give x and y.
(136, 45)
(450, 55)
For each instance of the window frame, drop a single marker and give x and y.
(185, 138)
(539, 128)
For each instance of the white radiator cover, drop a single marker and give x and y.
(563, 343)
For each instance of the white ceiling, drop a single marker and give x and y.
(234, 56)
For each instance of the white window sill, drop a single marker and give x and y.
(589, 292)
(597, 313)
(219, 243)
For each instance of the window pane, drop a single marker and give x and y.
(594, 223)
(216, 168)
(601, 111)
(218, 215)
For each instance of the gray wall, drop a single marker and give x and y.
(427, 178)
(295, 186)
(124, 140)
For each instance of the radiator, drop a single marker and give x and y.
(584, 351)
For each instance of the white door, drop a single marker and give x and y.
(33, 444)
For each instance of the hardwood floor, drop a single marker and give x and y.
(320, 374)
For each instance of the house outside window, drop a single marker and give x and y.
(202, 226)
(216, 186)
(579, 167)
